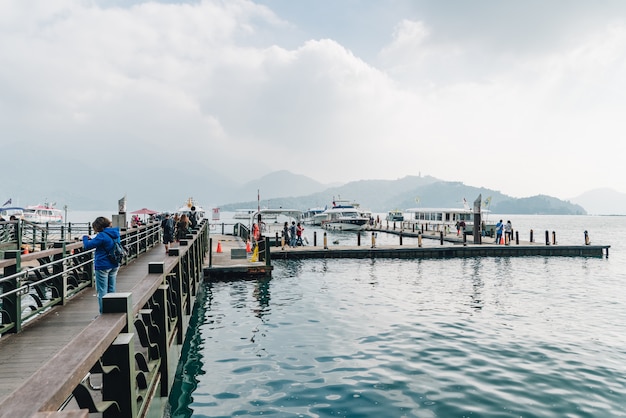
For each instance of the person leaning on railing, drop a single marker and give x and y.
(103, 242)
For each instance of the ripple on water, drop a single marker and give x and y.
(434, 338)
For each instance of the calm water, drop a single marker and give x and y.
(484, 337)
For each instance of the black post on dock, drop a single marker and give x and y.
(531, 236)
(441, 237)
(553, 238)
(400, 237)
(268, 261)
(547, 237)
(315, 238)
(516, 237)
(358, 239)
(477, 222)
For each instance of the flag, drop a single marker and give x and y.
(487, 202)
(8, 202)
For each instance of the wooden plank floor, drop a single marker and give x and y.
(24, 353)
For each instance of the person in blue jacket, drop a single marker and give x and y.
(106, 270)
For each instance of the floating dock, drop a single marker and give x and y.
(233, 262)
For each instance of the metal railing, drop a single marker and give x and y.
(27, 289)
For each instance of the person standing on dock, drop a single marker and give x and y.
(103, 242)
(285, 234)
(193, 218)
(508, 232)
(292, 234)
(499, 227)
(168, 231)
(182, 227)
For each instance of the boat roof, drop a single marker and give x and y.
(444, 210)
(292, 213)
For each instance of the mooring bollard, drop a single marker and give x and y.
(400, 237)
(325, 241)
(277, 241)
(516, 237)
(419, 240)
(441, 237)
(587, 240)
(547, 237)
(531, 236)
(373, 239)
(358, 239)
(315, 238)
(464, 239)
(553, 238)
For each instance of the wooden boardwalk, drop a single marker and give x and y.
(24, 353)
(233, 261)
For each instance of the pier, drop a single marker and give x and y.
(58, 358)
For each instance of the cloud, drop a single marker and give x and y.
(213, 84)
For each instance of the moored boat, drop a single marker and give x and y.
(395, 216)
(186, 208)
(41, 214)
(7, 212)
(446, 219)
(344, 218)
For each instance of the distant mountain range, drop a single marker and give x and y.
(167, 190)
(384, 195)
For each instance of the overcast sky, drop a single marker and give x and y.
(523, 97)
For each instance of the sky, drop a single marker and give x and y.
(525, 97)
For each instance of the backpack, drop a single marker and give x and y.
(117, 253)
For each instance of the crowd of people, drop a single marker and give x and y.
(292, 235)
(178, 226)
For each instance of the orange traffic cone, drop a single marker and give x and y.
(248, 249)
(219, 247)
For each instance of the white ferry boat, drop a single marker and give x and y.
(8, 212)
(344, 218)
(395, 216)
(41, 214)
(445, 219)
(186, 208)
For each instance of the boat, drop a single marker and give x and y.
(41, 214)
(186, 208)
(395, 216)
(8, 212)
(344, 216)
(243, 213)
(310, 216)
(446, 219)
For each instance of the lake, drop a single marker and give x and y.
(480, 337)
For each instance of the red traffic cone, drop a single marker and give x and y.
(219, 247)
(248, 249)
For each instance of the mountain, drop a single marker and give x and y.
(411, 191)
(602, 202)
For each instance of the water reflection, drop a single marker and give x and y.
(261, 293)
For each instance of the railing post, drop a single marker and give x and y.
(122, 385)
(59, 283)
(12, 304)
(162, 322)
